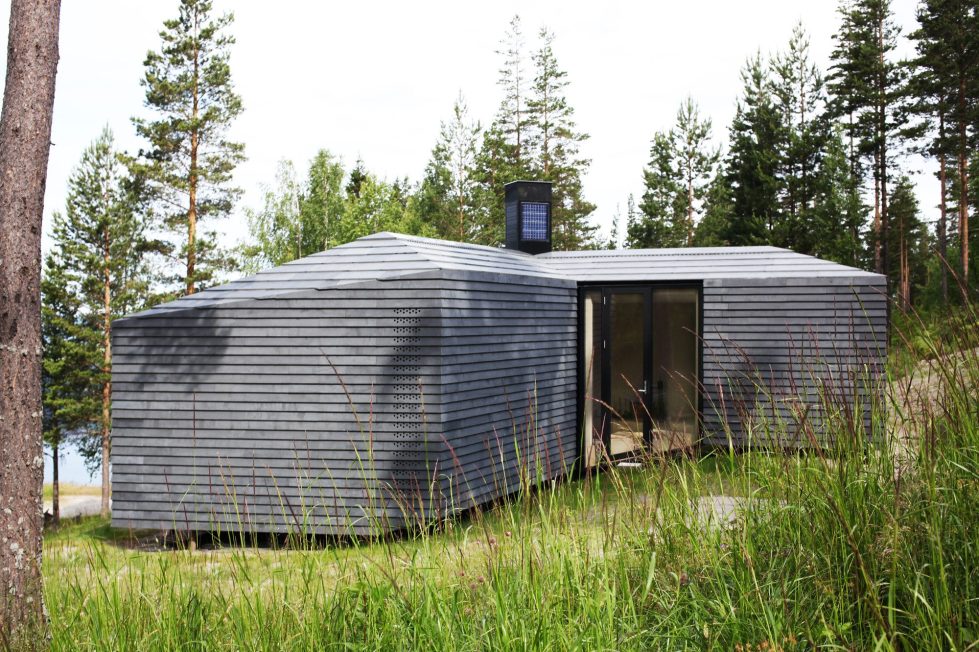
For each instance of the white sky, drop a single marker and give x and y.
(374, 79)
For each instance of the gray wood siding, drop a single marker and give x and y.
(343, 410)
(317, 410)
(398, 377)
(774, 349)
(508, 403)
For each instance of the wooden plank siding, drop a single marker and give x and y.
(783, 355)
(315, 410)
(330, 412)
(517, 425)
(398, 378)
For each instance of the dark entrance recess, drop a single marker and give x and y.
(640, 355)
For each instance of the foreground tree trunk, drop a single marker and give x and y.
(55, 487)
(25, 139)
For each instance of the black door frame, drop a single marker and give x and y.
(646, 289)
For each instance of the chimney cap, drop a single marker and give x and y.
(526, 181)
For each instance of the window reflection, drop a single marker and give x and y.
(675, 368)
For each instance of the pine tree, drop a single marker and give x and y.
(696, 163)
(614, 234)
(189, 161)
(753, 158)
(947, 72)
(798, 89)
(714, 227)
(512, 117)
(929, 103)
(493, 171)
(70, 356)
(25, 143)
(845, 83)
(867, 84)
(553, 144)
(836, 220)
(356, 180)
(632, 217)
(102, 247)
(449, 196)
(908, 241)
(502, 155)
(661, 222)
(681, 166)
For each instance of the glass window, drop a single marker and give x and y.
(626, 350)
(676, 367)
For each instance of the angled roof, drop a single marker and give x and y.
(386, 256)
(692, 264)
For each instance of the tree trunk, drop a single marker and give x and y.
(884, 217)
(963, 192)
(460, 191)
(878, 230)
(943, 208)
(106, 368)
(25, 139)
(55, 486)
(192, 183)
(690, 207)
(882, 145)
(905, 275)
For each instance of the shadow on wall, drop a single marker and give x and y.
(160, 363)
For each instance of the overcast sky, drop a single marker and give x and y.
(374, 79)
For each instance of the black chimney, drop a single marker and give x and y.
(528, 216)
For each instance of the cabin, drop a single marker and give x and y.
(396, 380)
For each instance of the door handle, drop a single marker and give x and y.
(643, 390)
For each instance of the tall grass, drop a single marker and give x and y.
(870, 543)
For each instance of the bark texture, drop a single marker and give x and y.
(106, 367)
(25, 138)
(192, 182)
(943, 207)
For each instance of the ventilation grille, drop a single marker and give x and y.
(408, 410)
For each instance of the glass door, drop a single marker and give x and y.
(626, 353)
(674, 383)
(641, 364)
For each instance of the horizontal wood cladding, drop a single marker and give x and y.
(315, 408)
(786, 355)
(519, 424)
(401, 379)
(351, 409)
